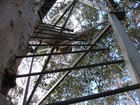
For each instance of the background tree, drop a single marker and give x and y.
(90, 80)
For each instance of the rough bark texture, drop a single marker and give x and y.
(17, 21)
(4, 101)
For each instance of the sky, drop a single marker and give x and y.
(23, 68)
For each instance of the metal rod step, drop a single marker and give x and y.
(70, 52)
(98, 95)
(70, 69)
(52, 26)
(57, 38)
(61, 45)
(57, 33)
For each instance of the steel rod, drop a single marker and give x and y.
(47, 8)
(70, 52)
(48, 28)
(75, 63)
(57, 38)
(98, 95)
(68, 34)
(53, 26)
(112, 5)
(70, 12)
(64, 12)
(27, 84)
(70, 69)
(28, 79)
(61, 45)
(41, 14)
(56, 34)
(37, 82)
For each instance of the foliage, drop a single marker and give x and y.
(98, 79)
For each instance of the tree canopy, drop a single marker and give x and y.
(90, 80)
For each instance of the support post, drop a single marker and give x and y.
(130, 54)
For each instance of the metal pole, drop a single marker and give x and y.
(70, 69)
(58, 34)
(130, 54)
(27, 84)
(65, 12)
(53, 26)
(41, 14)
(70, 52)
(60, 45)
(45, 3)
(57, 38)
(28, 79)
(71, 34)
(52, 29)
(98, 95)
(37, 82)
(112, 5)
(47, 29)
(74, 64)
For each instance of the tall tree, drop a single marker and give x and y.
(91, 80)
